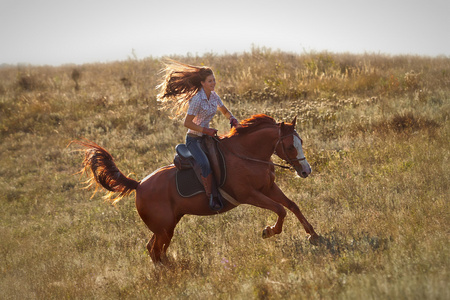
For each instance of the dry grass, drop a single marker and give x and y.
(376, 132)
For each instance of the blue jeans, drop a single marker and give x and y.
(194, 146)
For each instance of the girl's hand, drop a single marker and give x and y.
(209, 131)
(234, 122)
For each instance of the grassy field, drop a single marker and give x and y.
(376, 131)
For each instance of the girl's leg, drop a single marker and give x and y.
(194, 146)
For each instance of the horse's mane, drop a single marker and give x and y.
(251, 124)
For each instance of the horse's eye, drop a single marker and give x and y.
(291, 147)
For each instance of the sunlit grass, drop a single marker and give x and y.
(375, 130)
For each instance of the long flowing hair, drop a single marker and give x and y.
(180, 83)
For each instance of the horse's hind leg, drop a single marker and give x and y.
(157, 247)
(150, 247)
(160, 241)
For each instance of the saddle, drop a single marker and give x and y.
(188, 174)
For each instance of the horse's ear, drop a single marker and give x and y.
(294, 121)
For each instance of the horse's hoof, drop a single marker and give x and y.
(267, 232)
(315, 239)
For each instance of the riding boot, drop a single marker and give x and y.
(212, 194)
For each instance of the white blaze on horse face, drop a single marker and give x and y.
(306, 168)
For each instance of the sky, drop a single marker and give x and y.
(57, 32)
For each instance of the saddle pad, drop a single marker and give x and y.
(188, 184)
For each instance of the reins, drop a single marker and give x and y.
(256, 160)
(280, 139)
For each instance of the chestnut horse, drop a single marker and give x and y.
(250, 180)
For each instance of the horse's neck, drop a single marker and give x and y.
(259, 144)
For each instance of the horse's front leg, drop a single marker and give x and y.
(278, 196)
(262, 201)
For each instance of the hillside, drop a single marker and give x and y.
(375, 130)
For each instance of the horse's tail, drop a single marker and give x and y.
(99, 166)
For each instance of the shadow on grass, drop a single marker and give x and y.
(336, 243)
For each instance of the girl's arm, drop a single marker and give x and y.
(224, 110)
(188, 122)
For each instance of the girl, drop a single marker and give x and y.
(189, 90)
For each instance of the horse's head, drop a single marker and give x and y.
(289, 148)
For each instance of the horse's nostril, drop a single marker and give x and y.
(304, 174)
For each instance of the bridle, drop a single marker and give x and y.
(290, 161)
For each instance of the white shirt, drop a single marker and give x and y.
(203, 109)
